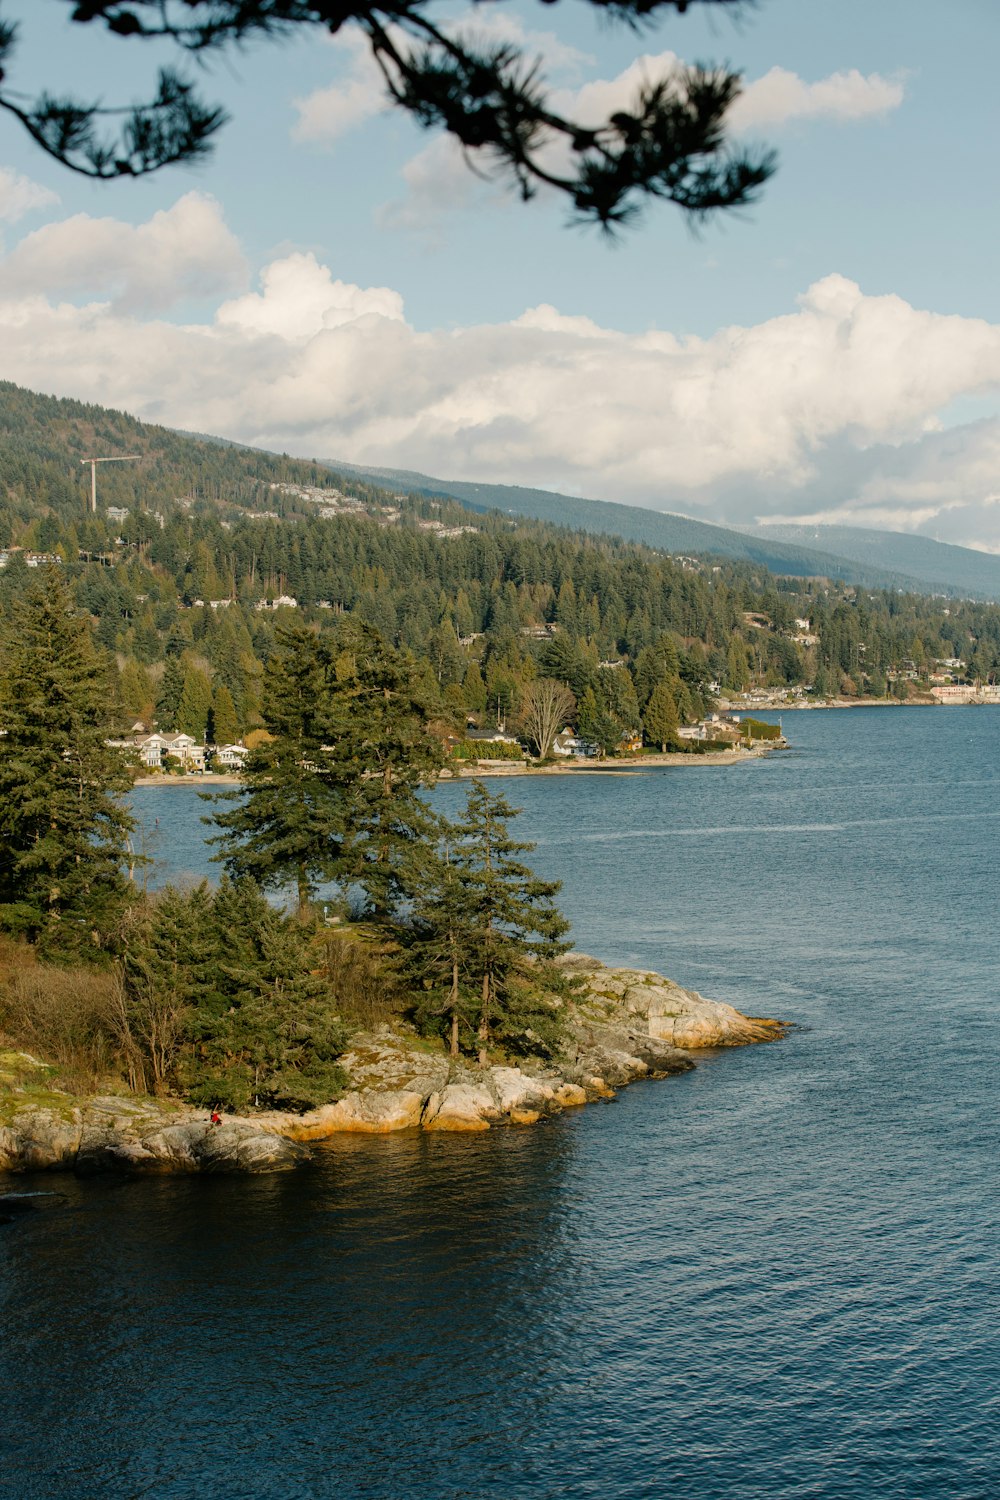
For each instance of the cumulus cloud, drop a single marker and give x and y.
(355, 95)
(20, 196)
(300, 298)
(183, 252)
(781, 96)
(835, 407)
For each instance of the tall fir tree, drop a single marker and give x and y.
(64, 829)
(223, 727)
(439, 939)
(512, 919)
(195, 703)
(287, 821)
(661, 718)
(384, 751)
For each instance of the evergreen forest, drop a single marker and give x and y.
(194, 544)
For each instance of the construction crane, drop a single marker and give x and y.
(93, 462)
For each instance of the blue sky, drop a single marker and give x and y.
(332, 283)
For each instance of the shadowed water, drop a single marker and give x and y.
(775, 1276)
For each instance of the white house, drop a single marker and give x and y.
(230, 757)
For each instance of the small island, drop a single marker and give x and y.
(222, 1027)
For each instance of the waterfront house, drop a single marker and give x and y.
(229, 757)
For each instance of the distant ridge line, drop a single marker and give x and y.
(962, 572)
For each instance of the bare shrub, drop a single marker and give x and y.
(363, 988)
(65, 1016)
(149, 1026)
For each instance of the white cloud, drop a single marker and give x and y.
(182, 252)
(439, 180)
(20, 196)
(781, 96)
(834, 407)
(300, 298)
(359, 93)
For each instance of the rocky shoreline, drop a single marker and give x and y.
(624, 1024)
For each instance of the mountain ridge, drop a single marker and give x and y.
(957, 571)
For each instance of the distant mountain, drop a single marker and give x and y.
(948, 569)
(955, 571)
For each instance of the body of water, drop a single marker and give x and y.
(775, 1276)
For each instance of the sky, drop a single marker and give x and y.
(335, 283)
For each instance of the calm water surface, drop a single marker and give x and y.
(776, 1276)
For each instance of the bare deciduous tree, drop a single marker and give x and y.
(545, 706)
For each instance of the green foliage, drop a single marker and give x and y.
(381, 716)
(169, 968)
(64, 833)
(221, 996)
(223, 727)
(267, 1035)
(661, 718)
(486, 750)
(287, 822)
(195, 703)
(334, 794)
(484, 932)
(502, 584)
(756, 729)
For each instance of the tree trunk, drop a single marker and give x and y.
(454, 1007)
(484, 1022)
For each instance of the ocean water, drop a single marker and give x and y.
(775, 1276)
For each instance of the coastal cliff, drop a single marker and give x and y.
(622, 1024)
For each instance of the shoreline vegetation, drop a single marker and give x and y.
(621, 1025)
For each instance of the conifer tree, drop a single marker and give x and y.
(195, 703)
(222, 724)
(287, 821)
(661, 719)
(384, 752)
(511, 919)
(166, 972)
(169, 696)
(64, 832)
(267, 1036)
(136, 691)
(334, 794)
(438, 942)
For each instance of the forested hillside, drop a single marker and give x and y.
(195, 543)
(867, 559)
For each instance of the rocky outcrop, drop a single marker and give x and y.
(637, 1001)
(112, 1134)
(622, 1024)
